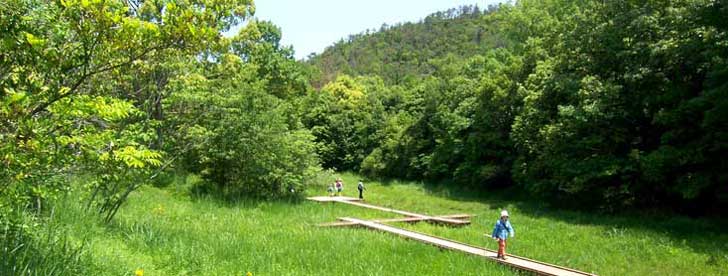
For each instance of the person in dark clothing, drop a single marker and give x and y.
(361, 188)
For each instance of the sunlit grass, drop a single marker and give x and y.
(168, 232)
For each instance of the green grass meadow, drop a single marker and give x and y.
(168, 231)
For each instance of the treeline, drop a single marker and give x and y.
(592, 104)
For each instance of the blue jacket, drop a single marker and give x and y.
(501, 230)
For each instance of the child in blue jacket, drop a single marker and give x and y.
(500, 233)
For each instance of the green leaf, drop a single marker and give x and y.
(33, 40)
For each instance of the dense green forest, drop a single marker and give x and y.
(601, 105)
(409, 51)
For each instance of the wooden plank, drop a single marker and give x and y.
(512, 260)
(442, 220)
(356, 202)
(332, 198)
(407, 219)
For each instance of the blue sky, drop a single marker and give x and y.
(311, 25)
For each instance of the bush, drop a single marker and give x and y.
(239, 138)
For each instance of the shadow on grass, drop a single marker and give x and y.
(192, 186)
(390, 181)
(242, 200)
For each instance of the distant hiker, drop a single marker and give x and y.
(331, 190)
(339, 186)
(500, 233)
(360, 187)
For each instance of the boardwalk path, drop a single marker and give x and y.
(515, 261)
(534, 266)
(357, 202)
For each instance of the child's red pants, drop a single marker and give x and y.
(501, 247)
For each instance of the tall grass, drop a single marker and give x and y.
(168, 231)
(32, 248)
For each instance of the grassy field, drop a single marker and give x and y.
(167, 231)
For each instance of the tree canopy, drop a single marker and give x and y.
(616, 103)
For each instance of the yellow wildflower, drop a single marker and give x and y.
(139, 272)
(249, 273)
(159, 210)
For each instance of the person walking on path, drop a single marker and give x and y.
(500, 233)
(361, 188)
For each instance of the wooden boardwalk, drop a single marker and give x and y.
(408, 219)
(332, 198)
(357, 202)
(537, 267)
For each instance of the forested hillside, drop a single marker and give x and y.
(408, 51)
(599, 104)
